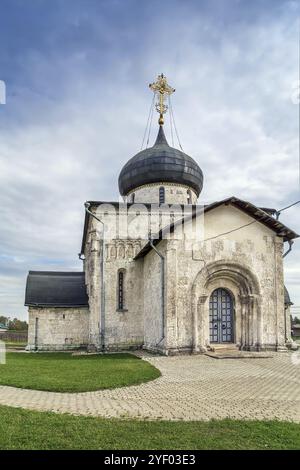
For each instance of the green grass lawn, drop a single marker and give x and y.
(62, 372)
(23, 429)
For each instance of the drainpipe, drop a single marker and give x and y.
(162, 274)
(290, 242)
(102, 311)
(36, 334)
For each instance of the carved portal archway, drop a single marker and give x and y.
(243, 285)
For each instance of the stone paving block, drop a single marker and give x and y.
(190, 388)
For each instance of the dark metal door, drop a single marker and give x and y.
(220, 317)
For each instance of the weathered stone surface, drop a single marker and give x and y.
(58, 328)
(198, 259)
(174, 194)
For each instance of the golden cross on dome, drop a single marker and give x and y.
(161, 88)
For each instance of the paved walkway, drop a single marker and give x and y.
(190, 388)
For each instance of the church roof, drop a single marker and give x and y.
(257, 213)
(56, 289)
(251, 209)
(160, 164)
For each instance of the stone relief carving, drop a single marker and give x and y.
(119, 249)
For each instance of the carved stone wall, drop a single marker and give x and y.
(247, 262)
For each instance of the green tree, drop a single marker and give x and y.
(17, 325)
(3, 319)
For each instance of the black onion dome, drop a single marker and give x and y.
(160, 163)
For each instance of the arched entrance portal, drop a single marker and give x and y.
(242, 285)
(221, 316)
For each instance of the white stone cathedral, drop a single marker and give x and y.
(164, 273)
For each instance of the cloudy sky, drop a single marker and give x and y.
(76, 73)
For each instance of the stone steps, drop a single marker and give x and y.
(223, 347)
(231, 351)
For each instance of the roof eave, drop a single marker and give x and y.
(56, 305)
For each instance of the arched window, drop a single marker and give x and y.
(120, 300)
(189, 197)
(132, 197)
(161, 195)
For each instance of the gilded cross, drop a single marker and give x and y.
(161, 88)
